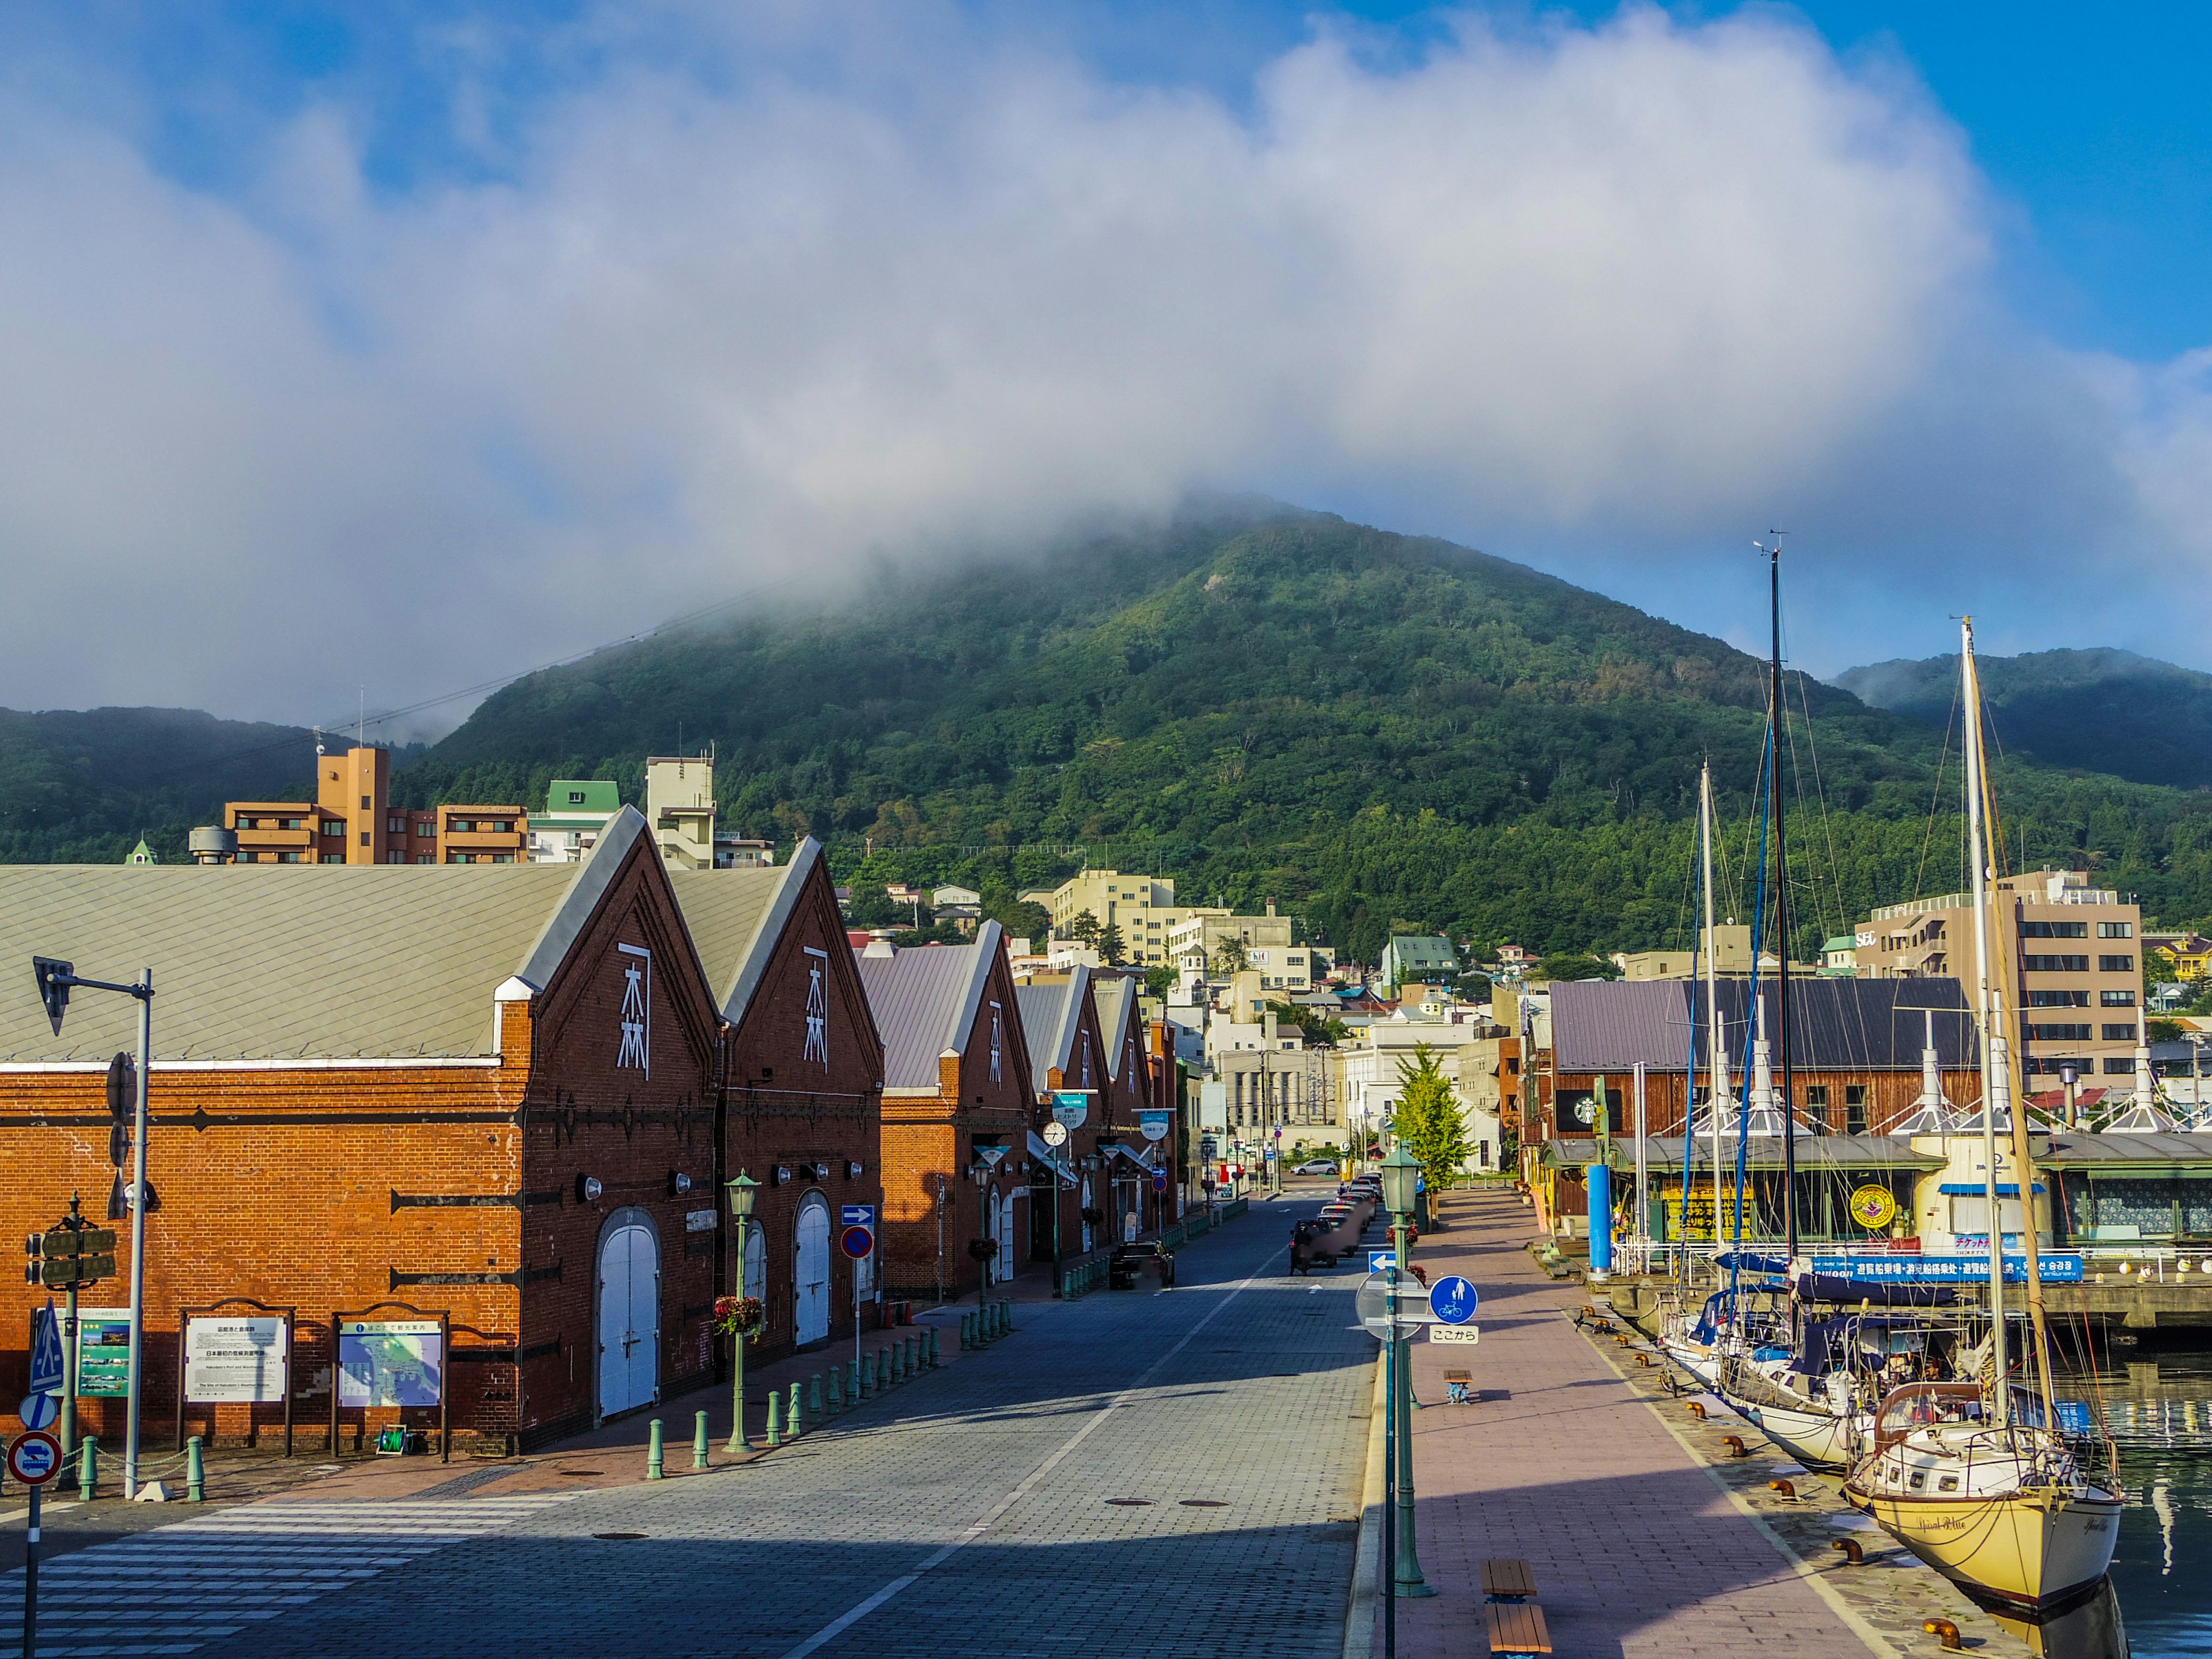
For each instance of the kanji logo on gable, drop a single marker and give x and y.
(817, 1008)
(636, 1053)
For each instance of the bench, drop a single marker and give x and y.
(1517, 1630)
(1458, 1387)
(1507, 1579)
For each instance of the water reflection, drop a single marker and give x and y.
(2087, 1629)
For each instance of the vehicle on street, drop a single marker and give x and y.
(1318, 1166)
(1130, 1260)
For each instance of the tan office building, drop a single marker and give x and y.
(352, 821)
(2066, 955)
(1143, 907)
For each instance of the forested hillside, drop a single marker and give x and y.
(2098, 711)
(1371, 728)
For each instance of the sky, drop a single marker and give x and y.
(360, 354)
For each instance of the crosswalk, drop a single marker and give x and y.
(178, 1588)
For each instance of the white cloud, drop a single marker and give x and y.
(782, 295)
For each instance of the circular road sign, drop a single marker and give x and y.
(858, 1242)
(1453, 1300)
(1159, 1180)
(1055, 1134)
(38, 1410)
(35, 1457)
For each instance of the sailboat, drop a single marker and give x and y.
(1974, 1477)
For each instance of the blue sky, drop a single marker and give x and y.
(441, 337)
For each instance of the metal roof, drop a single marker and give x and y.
(1815, 1153)
(736, 916)
(1835, 1024)
(2072, 1150)
(925, 1001)
(1116, 998)
(1052, 1013)
(320, 961)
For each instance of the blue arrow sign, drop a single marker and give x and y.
(1380, 1261)
(45, 1350)
(1453, 1300)
(858, 1215)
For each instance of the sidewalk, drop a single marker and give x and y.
(1560, 1462)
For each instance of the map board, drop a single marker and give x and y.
(103, 1352)
(234, 1361)
(391, 1362)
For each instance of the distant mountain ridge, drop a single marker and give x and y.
(2100, 710)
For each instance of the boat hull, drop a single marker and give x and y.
(1819, 1440)
(2025, 1549)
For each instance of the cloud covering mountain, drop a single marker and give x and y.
(759, 298)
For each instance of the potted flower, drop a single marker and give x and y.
(739, 1316)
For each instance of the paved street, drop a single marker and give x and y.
(966, 1513)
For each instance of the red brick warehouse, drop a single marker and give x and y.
(491, 1094)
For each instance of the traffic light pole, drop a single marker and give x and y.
(144, 992)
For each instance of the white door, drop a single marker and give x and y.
(629, 1318)
(810, 1271)
(1005, 1234)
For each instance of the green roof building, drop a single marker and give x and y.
(576, 810)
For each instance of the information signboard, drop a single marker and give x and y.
(1071, 1107)
(234, 1361)
(103, 1352)
(1154, 1123)
(391, 1362)
(2055, 1267)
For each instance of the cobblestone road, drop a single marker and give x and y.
(966, 1513)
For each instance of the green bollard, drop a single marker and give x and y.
(699, 1440)
(814, 1409)
(929, 1343)
(963, 1333)
(775, 1417)
(898, 1362)
(864, 1377)
(837, 1401)
(852, 1381)
(908, 1357)
(794, 1416)
(87, 1469)
(195, 1472)
(1007, 1315)
(653, 1460)
(883, 1370)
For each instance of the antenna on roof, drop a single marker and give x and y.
(319, 742)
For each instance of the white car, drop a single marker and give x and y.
(1318, 1166)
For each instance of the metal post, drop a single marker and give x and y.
(653, 1450)
(31, 1580)
(1390, 1478)
(700, 1441)
(739, 1440)
(145, 994)
(195, 1472)
(1408, 1580)
(68, 1365)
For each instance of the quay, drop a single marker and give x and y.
(1645, 1534)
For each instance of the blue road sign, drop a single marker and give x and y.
(34, 1457)
(1159, 1180)
(858, 1215)
(45, 1350)
(858, 1242)
(1380, 1261)
(1453, 1300)
(39, 1411)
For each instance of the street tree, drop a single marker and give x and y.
(1428, 1122)
(1083, 930)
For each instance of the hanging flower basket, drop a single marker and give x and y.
(981, 1249)
(1094, 1217)
(739, 1316)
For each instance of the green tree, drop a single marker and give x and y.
(1429, 1123)
(1083, 930)
(1228, 958)
(1575, 964)
(1111, 944)
(1159, 981)
(1320, 1029)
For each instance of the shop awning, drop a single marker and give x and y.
(1049, 1156)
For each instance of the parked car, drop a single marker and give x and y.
(1131, 1260)
(1323, 1241)
(1316, 1166)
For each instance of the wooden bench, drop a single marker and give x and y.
(1506, 1578)
(1517, 1630)
(1458, 1387)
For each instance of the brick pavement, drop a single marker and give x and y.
(1636, 1551)
(964, 1513)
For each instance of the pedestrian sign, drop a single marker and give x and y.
(35, 1457)
(47, 1374)
(858, 1215)
(1453, 1300)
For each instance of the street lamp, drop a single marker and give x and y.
(54, 981)
(2070, 1074)
(1401, 1173)
(743, 1191)
(981, 1172)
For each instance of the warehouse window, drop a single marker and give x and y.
(2067, 964)
(2116, 998)
(2119, 1033)
(2116, 930)
(2055, 930)
(2116, 964)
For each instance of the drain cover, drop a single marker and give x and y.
(1204, 1503)
(611, 1535)
(580, 1473)
(1131, 1503)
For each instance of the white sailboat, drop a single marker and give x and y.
(1974, 1477)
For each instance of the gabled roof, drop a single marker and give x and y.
(1116, 998)
(924, 1001)
(319, 962)
(736, 917)
(1052, 1013)
(1835, 1024)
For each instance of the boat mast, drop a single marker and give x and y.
(1992, 1041)
(1716, 1043)
(1782, 915)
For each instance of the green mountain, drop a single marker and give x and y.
(80, 786)
(1373, 729)
(2098, 711)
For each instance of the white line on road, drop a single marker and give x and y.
(852, 1615)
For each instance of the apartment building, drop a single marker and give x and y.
(2066, 955)
(576, 810)
(352, 821)
(679, 806)
(1143, 907)
(1265, 944)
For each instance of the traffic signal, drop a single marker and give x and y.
(53, 979)
(122, 1101)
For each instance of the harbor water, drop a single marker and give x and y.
(2160, 1409)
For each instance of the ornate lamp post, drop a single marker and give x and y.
(1400, 1172)
(743, 1191)
(982, 1171)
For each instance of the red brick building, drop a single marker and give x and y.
(1068, 1055)
(957, 1102)
(490, 1100)
(1135, 1086)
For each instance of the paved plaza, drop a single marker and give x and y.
(967, 1512)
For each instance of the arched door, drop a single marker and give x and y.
(1005, 1234)
(629, 1315)
(810, 1271)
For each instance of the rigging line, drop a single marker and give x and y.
(1859, 1013)
(1942, 761)
(1750, 1005)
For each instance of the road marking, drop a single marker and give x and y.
(852, 1615)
